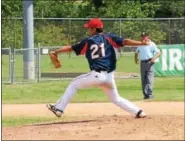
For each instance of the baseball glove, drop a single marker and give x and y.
(54, 59)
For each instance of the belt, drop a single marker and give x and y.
(146, 61)
(102, 70)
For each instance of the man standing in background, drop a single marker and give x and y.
(147, 56)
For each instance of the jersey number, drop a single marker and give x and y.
(97, 51)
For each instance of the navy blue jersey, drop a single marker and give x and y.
(100, 51)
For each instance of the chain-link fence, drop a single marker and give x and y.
(65, 31)
(55, 32)
(6, 64)
(13, 66)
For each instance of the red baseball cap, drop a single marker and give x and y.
(94, 23)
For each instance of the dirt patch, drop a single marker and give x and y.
(98, 121)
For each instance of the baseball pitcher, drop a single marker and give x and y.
(100, 51)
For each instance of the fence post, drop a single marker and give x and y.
(70, 36)
(120, 27)
(14, 55)
(38, 63)
(119, 50)
(169, 34)
(10, 65)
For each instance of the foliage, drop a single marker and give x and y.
(87, 8)
(12, 33)
(67, 32)
(11, 8)
(55, 8)
(172, 8)
(133, 29)
(51, 33)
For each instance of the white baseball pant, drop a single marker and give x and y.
(103, 80)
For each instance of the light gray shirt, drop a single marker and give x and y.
(148, 51)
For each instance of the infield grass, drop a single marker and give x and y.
(165, 89)
(20, 121)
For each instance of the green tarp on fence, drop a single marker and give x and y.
(171, 61)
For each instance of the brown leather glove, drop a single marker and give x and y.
(54, 59)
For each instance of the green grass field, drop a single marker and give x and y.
(165, 89)
(70, 64)
(20, 121)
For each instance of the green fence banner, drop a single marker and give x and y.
(171, 61)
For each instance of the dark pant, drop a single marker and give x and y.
(147, 77)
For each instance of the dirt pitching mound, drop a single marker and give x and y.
(98, 121)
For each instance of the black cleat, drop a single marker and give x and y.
(53, 109)
(148, 97)
(140, 114)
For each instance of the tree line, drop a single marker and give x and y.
(60, 32)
